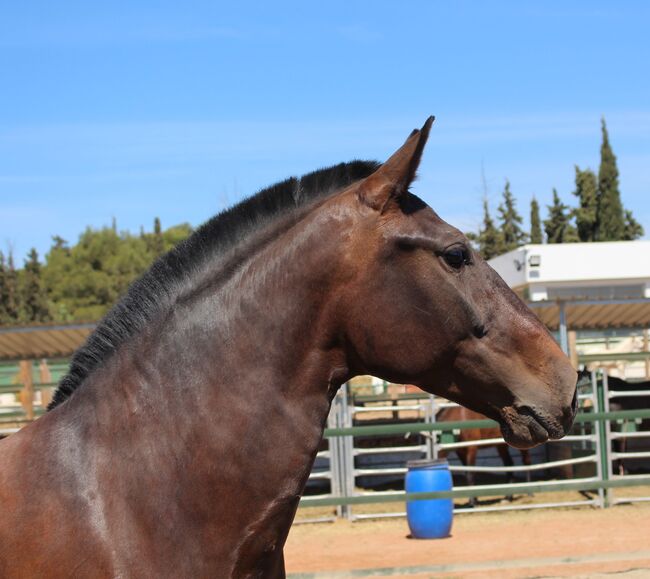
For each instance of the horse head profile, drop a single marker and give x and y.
(423, 307)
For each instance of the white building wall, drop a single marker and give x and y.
(575, 264)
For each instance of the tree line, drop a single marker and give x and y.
(80, 282)
(598, 216)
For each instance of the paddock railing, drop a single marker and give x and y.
(582, 461)
(625, 448)
(606, 454)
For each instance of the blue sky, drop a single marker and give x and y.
(137, 109)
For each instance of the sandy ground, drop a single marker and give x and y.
(583, 542)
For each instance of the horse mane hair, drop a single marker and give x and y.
(161, 284)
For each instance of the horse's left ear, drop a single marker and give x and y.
(394, 177)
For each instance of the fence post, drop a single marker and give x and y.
(45, 378)
(345, 452)
(564, 338)
(432, 439)
(603, 439)
(27, 393)
(646, 348)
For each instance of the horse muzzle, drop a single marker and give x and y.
(524, 426)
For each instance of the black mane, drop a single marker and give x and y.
(149, 295)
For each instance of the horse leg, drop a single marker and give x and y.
(506, 459)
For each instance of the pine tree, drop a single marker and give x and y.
(535, 223)
(587, 212)
(58, 243)
(158, 242)
(4, 292)
(490, 239)
(12, 294)
(513, 235)
(34, 300)
(633, 229)
(611, 224)
(558, 226)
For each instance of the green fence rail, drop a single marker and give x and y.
(466, 493)
(461, 425)
(593, 484)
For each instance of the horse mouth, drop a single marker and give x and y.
(523, 428)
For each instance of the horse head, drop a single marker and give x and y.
(421, 306)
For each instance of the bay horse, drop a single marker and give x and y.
(180, 441)
(467, 454)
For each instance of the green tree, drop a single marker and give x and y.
(4, 291)
(535, 223)
(633, 229)
(85, 280)
(12, 296)
(558, 226)
(172, 236)
(34, 302)
(587, 212)
(511, 231)
(489, 238)
(611, 219)
(158, 244)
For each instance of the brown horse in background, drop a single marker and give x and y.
(179, 443)
(467, 454)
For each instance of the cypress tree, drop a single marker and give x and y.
(535, 223)
(513, 235)
(587, 212)
(558, 226)
(4, 292)
(611, 224)
(633, 229)
(490, 239)
(13, 297)
(34, 301)
(158, 242)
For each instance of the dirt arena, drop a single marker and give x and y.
(571, 542)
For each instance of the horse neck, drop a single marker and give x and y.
(251, 359)
(221, 405)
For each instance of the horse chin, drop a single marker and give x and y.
(521, 429)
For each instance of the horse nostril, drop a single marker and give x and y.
(480, 331)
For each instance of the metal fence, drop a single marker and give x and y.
(582, 461)
(623, 449)
(363, 461)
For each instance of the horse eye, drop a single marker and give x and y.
(456, 257)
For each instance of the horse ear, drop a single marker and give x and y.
(394, 177)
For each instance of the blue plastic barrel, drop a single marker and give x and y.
(429, 519)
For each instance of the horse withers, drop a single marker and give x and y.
(180, 441)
